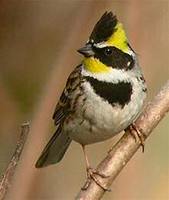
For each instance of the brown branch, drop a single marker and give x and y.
(6, 179)
(126, 147)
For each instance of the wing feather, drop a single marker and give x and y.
(62, 108)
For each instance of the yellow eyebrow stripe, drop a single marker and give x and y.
(119, 38)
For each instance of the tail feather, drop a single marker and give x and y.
(54, 150)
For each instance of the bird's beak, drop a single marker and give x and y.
(87, 50)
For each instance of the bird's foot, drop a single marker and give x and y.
(92, 174)
(136, 133)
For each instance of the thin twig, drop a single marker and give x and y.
(123, 150)
(6, 179)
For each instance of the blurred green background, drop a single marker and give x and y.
(38, 42)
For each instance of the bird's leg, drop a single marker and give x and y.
(91, 173)
(136, 133)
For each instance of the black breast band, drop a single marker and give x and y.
(119, 93)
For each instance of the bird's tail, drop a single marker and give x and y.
(54, 150)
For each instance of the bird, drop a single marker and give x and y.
(103, 96)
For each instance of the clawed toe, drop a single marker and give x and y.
(86, 184)
(94, 171)
(137, 134)
(91, 174)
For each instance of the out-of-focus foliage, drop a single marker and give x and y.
(38, 42)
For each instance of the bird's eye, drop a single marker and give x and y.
(108, 51)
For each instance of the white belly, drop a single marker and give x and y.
(97, 120)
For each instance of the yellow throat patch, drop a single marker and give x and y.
(93, 65)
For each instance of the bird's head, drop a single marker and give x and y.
(107, 46)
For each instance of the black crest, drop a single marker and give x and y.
(104, 27)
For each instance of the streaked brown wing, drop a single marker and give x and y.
(63, 106)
